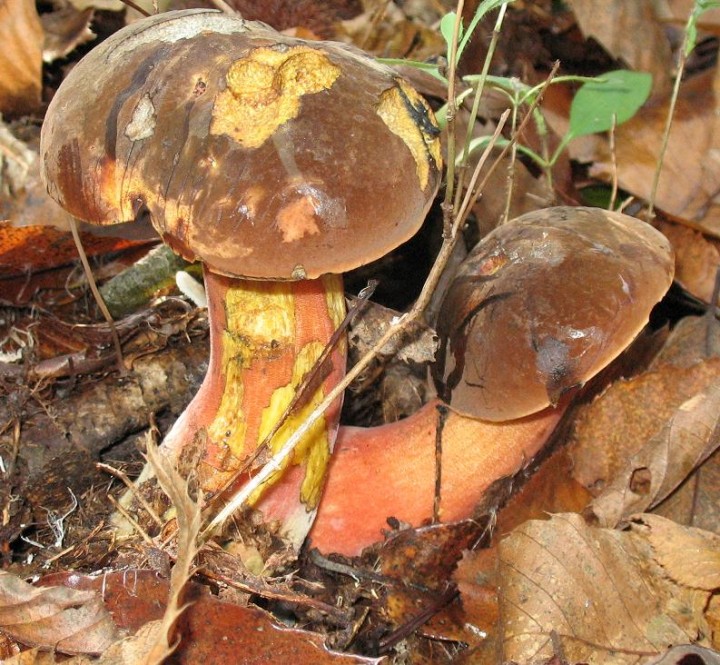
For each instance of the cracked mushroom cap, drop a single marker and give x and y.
(262, 155)
(542, 304)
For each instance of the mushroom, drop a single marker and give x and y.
(539, 307)
(279, 164)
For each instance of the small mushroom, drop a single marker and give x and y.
(541, 305)
(279, 164)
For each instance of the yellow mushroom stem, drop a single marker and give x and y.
(264, 338)
(389, 471)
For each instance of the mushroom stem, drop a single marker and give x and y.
(264, 338)
(389, 471)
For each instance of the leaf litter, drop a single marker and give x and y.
(550, 585)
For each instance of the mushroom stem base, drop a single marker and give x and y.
(265, 339)
(389, 471)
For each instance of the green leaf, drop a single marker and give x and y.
(447, 27)
(620, 93)
(483, 8)
(429, 67)
(701, 6)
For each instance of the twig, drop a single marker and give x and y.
(133, 489)
(442, 415)
(613, 163)
(136, 7)
(96, 294)
(668, 127)
(224, 7)
(410, 626)
(131, 520)
(375, 19)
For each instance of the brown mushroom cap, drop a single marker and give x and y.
(262, 155)
(542, 304)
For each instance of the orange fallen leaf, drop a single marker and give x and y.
(34, 248)
(213, 632)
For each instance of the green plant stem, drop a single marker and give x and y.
(450, 115)
(513, 160)
(476, 102)
(668, 127)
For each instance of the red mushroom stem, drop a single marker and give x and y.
(264, 338)
(389, 471)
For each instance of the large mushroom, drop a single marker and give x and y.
(279, 164)
(539, 307)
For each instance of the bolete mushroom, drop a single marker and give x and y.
(540, 306)
(279, 164)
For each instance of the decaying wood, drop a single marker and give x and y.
(52, 444)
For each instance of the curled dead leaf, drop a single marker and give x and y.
(67, 620)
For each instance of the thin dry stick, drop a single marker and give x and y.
(402, 323)
(96, 294)
(133, 489)
(442, 415)
(136, 7)
(131, 520)
(224, 6)
(613, 164)
(375, 19)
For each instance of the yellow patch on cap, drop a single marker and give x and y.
(408, 116)
(264, 91)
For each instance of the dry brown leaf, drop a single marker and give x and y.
(67, 620)
(551, 489)
(372, 321)
(691, 340)
(477, 582)
(697, 259)
(65, 29)
(690, 176)
(21, 37)
(146, 647)
(629, 31)
(386, 31)
(688, 438)
(690, 556)
(37, 657)
(188, 516)
(617, 424)
(594, 592)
